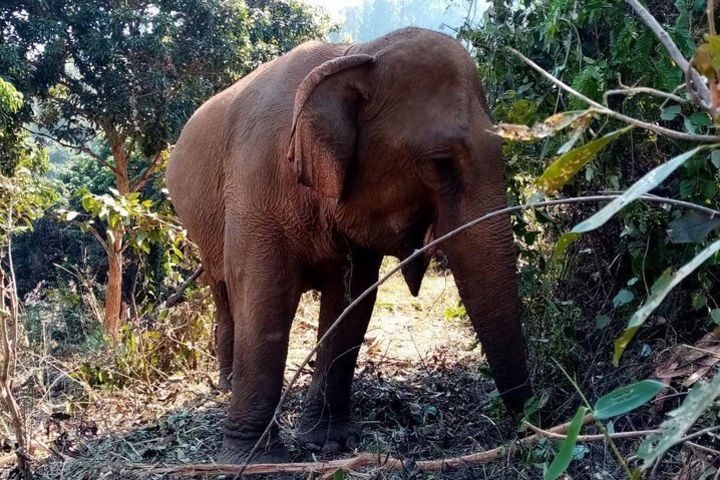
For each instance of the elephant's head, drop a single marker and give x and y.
(397, 131)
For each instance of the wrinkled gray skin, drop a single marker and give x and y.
(291, 180)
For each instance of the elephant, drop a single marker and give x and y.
(302, 176)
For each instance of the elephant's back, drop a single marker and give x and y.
(236, 141)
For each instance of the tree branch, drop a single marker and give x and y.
(413, 256)
(710, 10)
(630, 91)
(94, 233)
(80, 148)
(590, 438)
(177, 296)
(612, 113)
(379, 462)
(145, 175)
(697, 81)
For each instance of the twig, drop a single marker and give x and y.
(80, 148)
(704, 448)
(410, 258)
(92, 230)
(699, 433)
(177, 296)
(631, 91)
(590, 438)
(361, 460)
(710, 11)
(145, 175)
(599, 108)
(697, 82)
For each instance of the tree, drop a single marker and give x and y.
(130, 74)
(24, 195)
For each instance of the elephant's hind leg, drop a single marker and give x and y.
(224, 333)
(326, 419)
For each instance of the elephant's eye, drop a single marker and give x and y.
(445, 169)
(441, 173)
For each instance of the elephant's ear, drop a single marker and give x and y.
(324, 128)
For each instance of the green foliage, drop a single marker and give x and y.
(565, 454)
(660, 289)
(118, 81)
(626, 398)
(700, 398)
(648, 182)
(157, 346)
(595, 46)
(138, 70)
(458, 312)
(24, 194)
(565, 166)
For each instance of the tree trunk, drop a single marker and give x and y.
(113, 291)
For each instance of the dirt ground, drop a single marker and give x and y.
(421, 392)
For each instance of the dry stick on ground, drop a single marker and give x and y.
(421, 251)
(602, 109)
(380, 462)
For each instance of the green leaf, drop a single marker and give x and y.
(668, 113)
(565, 240)
(700, 398)
(700, 119)
(339, 474)
(692, 227)
(715, 158)
(568, 164)
(659, 291)
(715, 315)
(602, 321)
(625, 399)
(648, 181)
(623, 297)
(562, 460)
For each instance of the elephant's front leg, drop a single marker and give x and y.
(326, 419)
(263, 297)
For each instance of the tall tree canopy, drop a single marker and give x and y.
(130, 74)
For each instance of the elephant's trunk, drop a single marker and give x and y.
(483, 262)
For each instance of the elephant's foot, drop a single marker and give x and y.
(328, 435)
(225, 379)
(239, 440)
(236, 452)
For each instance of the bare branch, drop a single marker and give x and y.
(379, 462)
(177, 296)
(599, 108)
(697, 81)
(145, 175)
(631, 91)
(590, 438)
(94, 233)
(79, 148)
(421, 251)
(710, 10)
